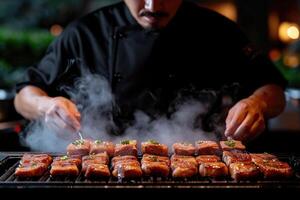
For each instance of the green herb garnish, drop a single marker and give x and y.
(153, 158)
(98, 142)
(200, 142)
(64, 158)
(125, 142)
(185, 144)
(230, 143)
(153, 141)
(33, 164)
(78, 142)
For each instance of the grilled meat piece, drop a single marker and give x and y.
(263, 156)
(65, 166)
(126, 147)
(213, 169)
(154, 148)
(153, 165)
(124, 168)
(120, 159)
(207, 148)
(32, 169)
(33, 165)
(207, 158)
(184, 149)
(183, 166)
(232, 145)
(155, 158)
(97, 170)
(99, 146)
(232, 157)
(243, 170)
(271, 166)
(101, 159)
(38, 158)
(79, 147)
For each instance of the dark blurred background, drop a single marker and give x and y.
(28, 26)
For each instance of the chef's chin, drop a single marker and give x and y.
(153, 23)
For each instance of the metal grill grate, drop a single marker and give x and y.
(9, 180)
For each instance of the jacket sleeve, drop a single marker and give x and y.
(253, 68)
(52, 68)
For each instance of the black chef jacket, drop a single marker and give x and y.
(147, 69)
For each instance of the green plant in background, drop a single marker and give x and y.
(289, 63)
(24, 31)
(19, 49)
(9, 75)
(34, 40)
(292, 75)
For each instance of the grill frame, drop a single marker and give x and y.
(9, 161)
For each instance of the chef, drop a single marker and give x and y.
(149, 51)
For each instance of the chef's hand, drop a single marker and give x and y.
(62, 115)
(246, 119)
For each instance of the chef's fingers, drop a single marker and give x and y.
(54, 116)
(230, 115)
(74, 110)
(257, 128)
(238, 117)
(68, 117)
(243, 131)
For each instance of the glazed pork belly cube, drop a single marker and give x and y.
(213, 169)
(122, 159)
(65, 166)
(263, 156)
(126, 147)
(155, 158)
(100, 158)
(32, 169)
(184, 149)
(79, 147)
(207, 158)
(99, 146)
(97, 170)
(271, 166)
(154, 148)
(96, 165)
(127, 168)
(207, 148)
(153, 165)
(33, 165)
(243, 171)
(232, 157)
(39, 158)
(183, 166)
(232, 145)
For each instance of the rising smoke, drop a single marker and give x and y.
(94, 99)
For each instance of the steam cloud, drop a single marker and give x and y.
(93, 97)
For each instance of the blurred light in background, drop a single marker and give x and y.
(228, 9)
(275, 55)
(288, 32)
(293, 32)
(274, 23)
(56, 30)
(291, 61)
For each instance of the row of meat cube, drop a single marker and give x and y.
(152, 147)
(240, 166)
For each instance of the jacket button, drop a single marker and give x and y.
(171, 76)
(118, 77)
